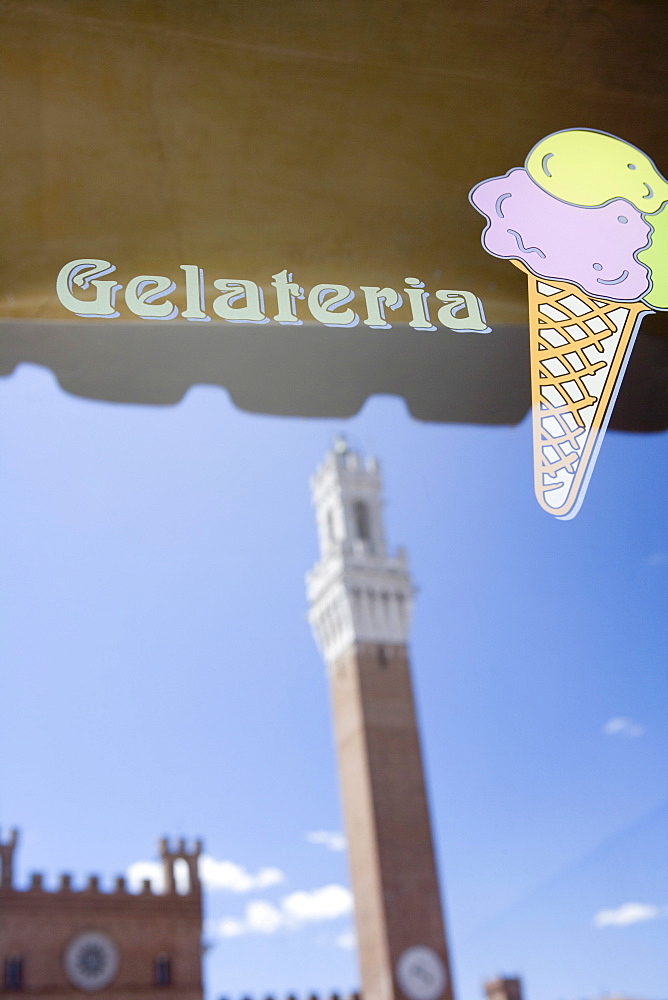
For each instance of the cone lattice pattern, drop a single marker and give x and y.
(580, 347)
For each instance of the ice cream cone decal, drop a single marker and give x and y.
(579, 349)
(587, 222)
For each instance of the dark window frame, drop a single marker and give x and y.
(362, 516)
(162, 971)
(13, 973)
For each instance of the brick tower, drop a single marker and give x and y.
(56, 944)
(360, 602)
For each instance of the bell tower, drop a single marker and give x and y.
(360, 603)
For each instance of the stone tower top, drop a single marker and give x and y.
(170, 855)
(504, 988)
(346, 495)
(7, 848)
(358, 592)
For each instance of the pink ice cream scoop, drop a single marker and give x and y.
(592, 247)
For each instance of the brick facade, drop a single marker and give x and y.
(156, 936)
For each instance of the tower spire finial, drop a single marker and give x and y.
(340, 445)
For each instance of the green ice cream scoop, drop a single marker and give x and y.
(655, 257)
(589, 168)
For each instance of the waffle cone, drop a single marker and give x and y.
(579, 349)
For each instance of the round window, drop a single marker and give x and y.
(91, 960)
(421, 974)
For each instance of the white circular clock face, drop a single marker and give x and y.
(421, 973)
(91, 960)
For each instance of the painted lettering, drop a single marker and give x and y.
(287, 291)
(323, 305)
(141, 294)
(463, 312)
(376, 300)
(234, 289)
(83, 273)
(242, 300)
(195, 305)
(418, 302)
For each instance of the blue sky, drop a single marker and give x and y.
(161, 679)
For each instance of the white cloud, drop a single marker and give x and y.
(214, 875)
(296, 909)
(231, 927)
(263, 917)
(621, 726)
(346, 939)
(320, 904)
(657, 559)
(627, 913)
(331, 839)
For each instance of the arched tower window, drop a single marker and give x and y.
(182, 876)
(362, 521)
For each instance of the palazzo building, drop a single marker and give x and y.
(121, 944)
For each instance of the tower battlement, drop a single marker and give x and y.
(7, 849)
(503, 988)
(292, 996)
(346, 491)
(93, 888)
(170, 856)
